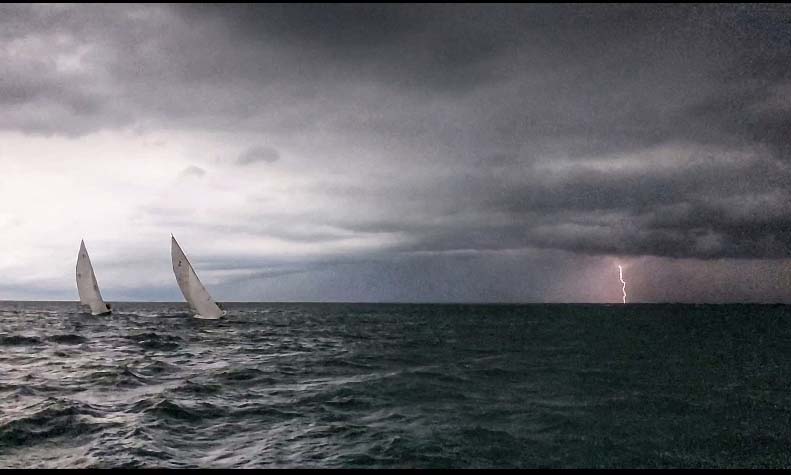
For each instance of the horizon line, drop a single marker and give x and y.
(421, 303)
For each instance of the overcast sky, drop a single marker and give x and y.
(398, 153)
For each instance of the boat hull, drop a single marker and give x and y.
(201, 317)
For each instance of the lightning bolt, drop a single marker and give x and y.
(620, 276)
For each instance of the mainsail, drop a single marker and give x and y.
(195, 293)
(87, 285)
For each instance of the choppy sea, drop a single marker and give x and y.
(381, 385)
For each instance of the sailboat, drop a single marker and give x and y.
(87, 285)
(195, 293)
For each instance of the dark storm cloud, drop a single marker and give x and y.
(258, 154)
(709, 206)
(492, 96)
(600, 63)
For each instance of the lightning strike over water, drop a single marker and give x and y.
(620, 276)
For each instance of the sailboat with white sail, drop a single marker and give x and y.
(87, 286)
(196, 295)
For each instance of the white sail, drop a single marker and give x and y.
(194, 292)
(87, 285)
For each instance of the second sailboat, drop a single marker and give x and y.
(195, 293)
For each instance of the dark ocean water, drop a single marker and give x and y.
(357, 385)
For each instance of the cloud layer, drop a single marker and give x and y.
(367, 152)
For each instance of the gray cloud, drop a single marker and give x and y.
(193, 170)
(258, 154)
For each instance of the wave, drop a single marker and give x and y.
(246, 375)
(68, 339)
(155, 341)
(196, 388)
(160, 408)
(49, 419)
(118, 377)
(19, 340)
